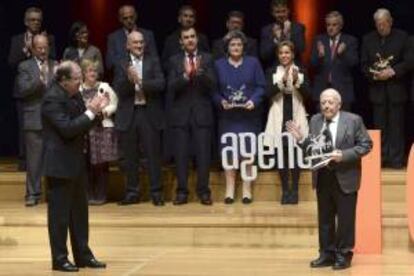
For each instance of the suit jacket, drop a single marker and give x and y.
(16, 54)
(190, 99)
(116, 46)
(30, 90)
(268, 47)
(91, 53)
(340, 67)
(65, 125)
(353, 140)
(153, 84)
(172, 46)
(219, 50)
(395, 44)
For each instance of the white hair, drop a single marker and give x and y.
(331, 92)
(382, 13)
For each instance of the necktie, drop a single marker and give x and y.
(44, 71)
(191, 58)
(334, 44)
(328, 137)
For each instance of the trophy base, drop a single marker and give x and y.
(237, 105)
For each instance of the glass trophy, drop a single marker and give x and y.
(381, 63)
(319, 152)
(237, 97)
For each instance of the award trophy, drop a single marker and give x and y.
(380, 64)
(237, 98)
(319, 152)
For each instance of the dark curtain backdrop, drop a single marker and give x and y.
(161, 17)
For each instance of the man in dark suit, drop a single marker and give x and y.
(139, 82)
(116, 50)
(384, 64)
(336, 184)
(172, 46)
(20, 50)
(34, 75)
(281, 29)
(334, 55)
(190, 84)
(235, 22)
(66, 121)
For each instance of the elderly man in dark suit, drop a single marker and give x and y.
(20, 50)
(334, 55)
(235, 22)
(116, 49)
(384, 64)
(190, 84)
(66, 121)
(139, 82)
(172, 46)
(34, 75)
(281, 29)
(336, 184)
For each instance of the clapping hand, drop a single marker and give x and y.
(295, 75)
(321, 49)
(98, 103)
(294, 129)
(341, 48)
(133, 75)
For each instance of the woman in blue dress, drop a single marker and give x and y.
(239, 98)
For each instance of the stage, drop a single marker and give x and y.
(264, 238)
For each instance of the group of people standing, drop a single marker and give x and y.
(193, 97)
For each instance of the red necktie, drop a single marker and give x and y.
(192, 65)
(334, 45)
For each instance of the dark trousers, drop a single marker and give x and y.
(20, 136)
(68, 210)
(34, 145)
(98, 181)
(192, 139)
(389, 118)
(336, 214)
(141, 131)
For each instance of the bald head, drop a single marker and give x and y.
(330, 103)
(127, 15)
(135, 43)
(40, 47)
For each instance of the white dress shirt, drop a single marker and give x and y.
(139, 94)
(333, 127)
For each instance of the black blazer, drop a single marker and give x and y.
(219, 50)
(153, 84)
(394, 44)
(340, 67)
(65, 126)
(190, 99)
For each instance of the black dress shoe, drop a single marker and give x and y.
(342, 261)
(180, 201)
(323, 261)
(293, 198)
(206, 200)
(129, 200)
(228, 200)
(247, 200)
(92, 263)
(65, 266)
(157, 201)
(285, 198)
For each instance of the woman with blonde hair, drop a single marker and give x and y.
(102, 140)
